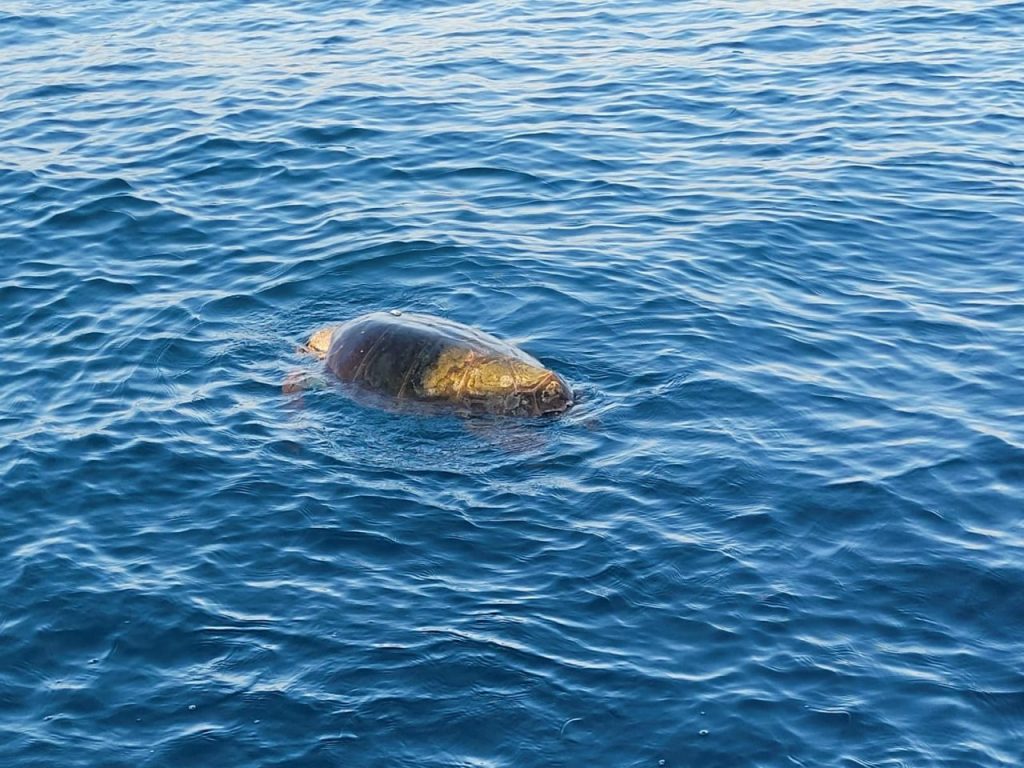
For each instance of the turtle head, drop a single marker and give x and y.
(553, 395)
(320, 341)
(540, 392)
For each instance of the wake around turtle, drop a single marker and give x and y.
(421, 358)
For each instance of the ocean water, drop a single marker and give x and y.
(778, 252)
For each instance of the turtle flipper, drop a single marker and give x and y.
(297, 382)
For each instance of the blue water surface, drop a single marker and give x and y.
(779, 252)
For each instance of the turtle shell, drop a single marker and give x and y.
(430, 359)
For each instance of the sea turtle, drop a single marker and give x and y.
(421, 358)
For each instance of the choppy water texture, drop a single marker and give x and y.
(778, 251)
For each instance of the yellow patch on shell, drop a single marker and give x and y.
(320, 341)
(460, 372)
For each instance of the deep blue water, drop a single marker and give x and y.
(779, 252)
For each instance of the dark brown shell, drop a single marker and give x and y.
(429, 359)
